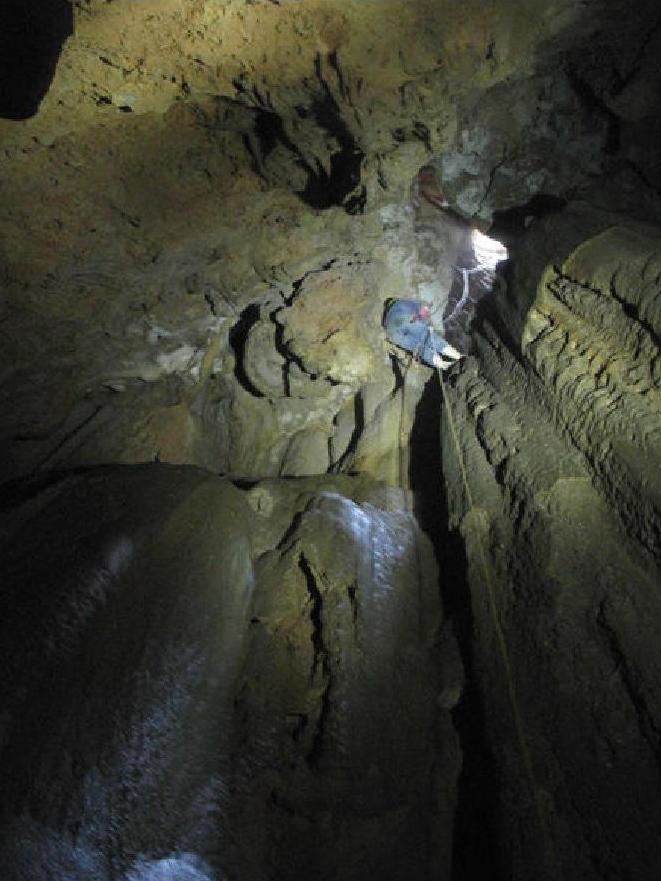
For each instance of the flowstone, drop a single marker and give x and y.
(205, 680)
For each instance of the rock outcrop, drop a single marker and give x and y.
(553, 485)
(192, 169)
(192, 670)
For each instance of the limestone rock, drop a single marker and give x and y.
(307, 454)
(330, 325)
(148, 593)
(185, 165)
(553, 487)
(250, 665)
(329, 702)
(204, 208)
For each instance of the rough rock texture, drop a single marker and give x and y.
(191, 162)
(558, 420)
(204, 206)
(347, 763)
(245, 696)
(123, 634)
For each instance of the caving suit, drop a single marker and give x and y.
(405, 328)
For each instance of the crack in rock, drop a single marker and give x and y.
(320, 660)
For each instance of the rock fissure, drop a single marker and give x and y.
(653, 187)
(339, 185)
(356, 434)
(631, 681)
(595, 102)
(320, 658)
(632, 311)
(299, 282)
(624, 79)
(474, 847)
(237, 338)
(321, 661)
(283, 350)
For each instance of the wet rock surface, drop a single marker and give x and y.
(191, 671)
(123, 632)
(347, 765)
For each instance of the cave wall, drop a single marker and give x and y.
(551, 462)
(204, 208)
(196, 682)
(189, 163)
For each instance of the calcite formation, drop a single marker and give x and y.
(248, 691)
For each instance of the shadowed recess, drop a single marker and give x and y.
(32, 33)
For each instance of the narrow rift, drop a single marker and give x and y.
(474, 846)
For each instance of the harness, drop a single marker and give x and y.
(419, 349)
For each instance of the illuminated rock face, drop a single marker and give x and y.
(259, 680)
(558, 420)
(202, 216)
(189, 164)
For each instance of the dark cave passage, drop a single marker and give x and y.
(514, 221)
(475, 852)
(32, 33)
(237, 340)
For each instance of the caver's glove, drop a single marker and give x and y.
(447, 357)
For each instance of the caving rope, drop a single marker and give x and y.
(522, 738)
(404, 441)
